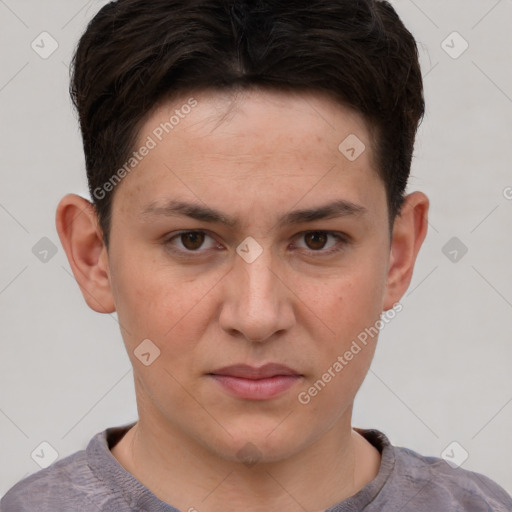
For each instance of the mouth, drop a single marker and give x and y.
(266, 371)
(251, 383)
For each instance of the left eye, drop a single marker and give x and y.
(316, 241)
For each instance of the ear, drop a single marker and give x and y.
(81, 238)
(409, 232)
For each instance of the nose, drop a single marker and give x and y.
(258, 303)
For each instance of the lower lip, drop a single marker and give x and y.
(261, 389)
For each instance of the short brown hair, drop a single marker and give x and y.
(136, 53)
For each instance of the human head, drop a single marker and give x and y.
(136, 54)
(237, 164)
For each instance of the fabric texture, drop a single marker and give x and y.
(92, 480)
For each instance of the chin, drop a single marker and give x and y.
(259, 445)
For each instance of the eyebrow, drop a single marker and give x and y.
(174, 208)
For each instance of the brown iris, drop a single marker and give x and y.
(316, 239)
(192, 240)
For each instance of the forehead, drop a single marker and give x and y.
(262, 114)
(251, 144)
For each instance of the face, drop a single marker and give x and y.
(245, 236)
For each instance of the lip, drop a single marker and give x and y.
(252, 383)
(250, 372)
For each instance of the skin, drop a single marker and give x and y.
(254, 157)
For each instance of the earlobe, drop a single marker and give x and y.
(410, 230)
(80, 236)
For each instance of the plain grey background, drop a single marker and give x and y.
(441, 373)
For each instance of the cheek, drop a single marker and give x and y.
(348, 303)
(351, 310)
(155, 302)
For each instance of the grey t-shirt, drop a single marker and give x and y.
(92, 480)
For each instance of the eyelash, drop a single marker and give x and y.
(341, 237)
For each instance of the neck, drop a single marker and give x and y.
(188, 476)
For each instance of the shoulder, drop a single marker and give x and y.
(84, 480)
(68, 484)
(434, 483)
(55, 488)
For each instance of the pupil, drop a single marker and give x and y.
(195, 238)
(317, 235)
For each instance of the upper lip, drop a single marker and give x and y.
(250, 372)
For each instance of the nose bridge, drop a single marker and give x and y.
(258, 306)
(255, 271)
